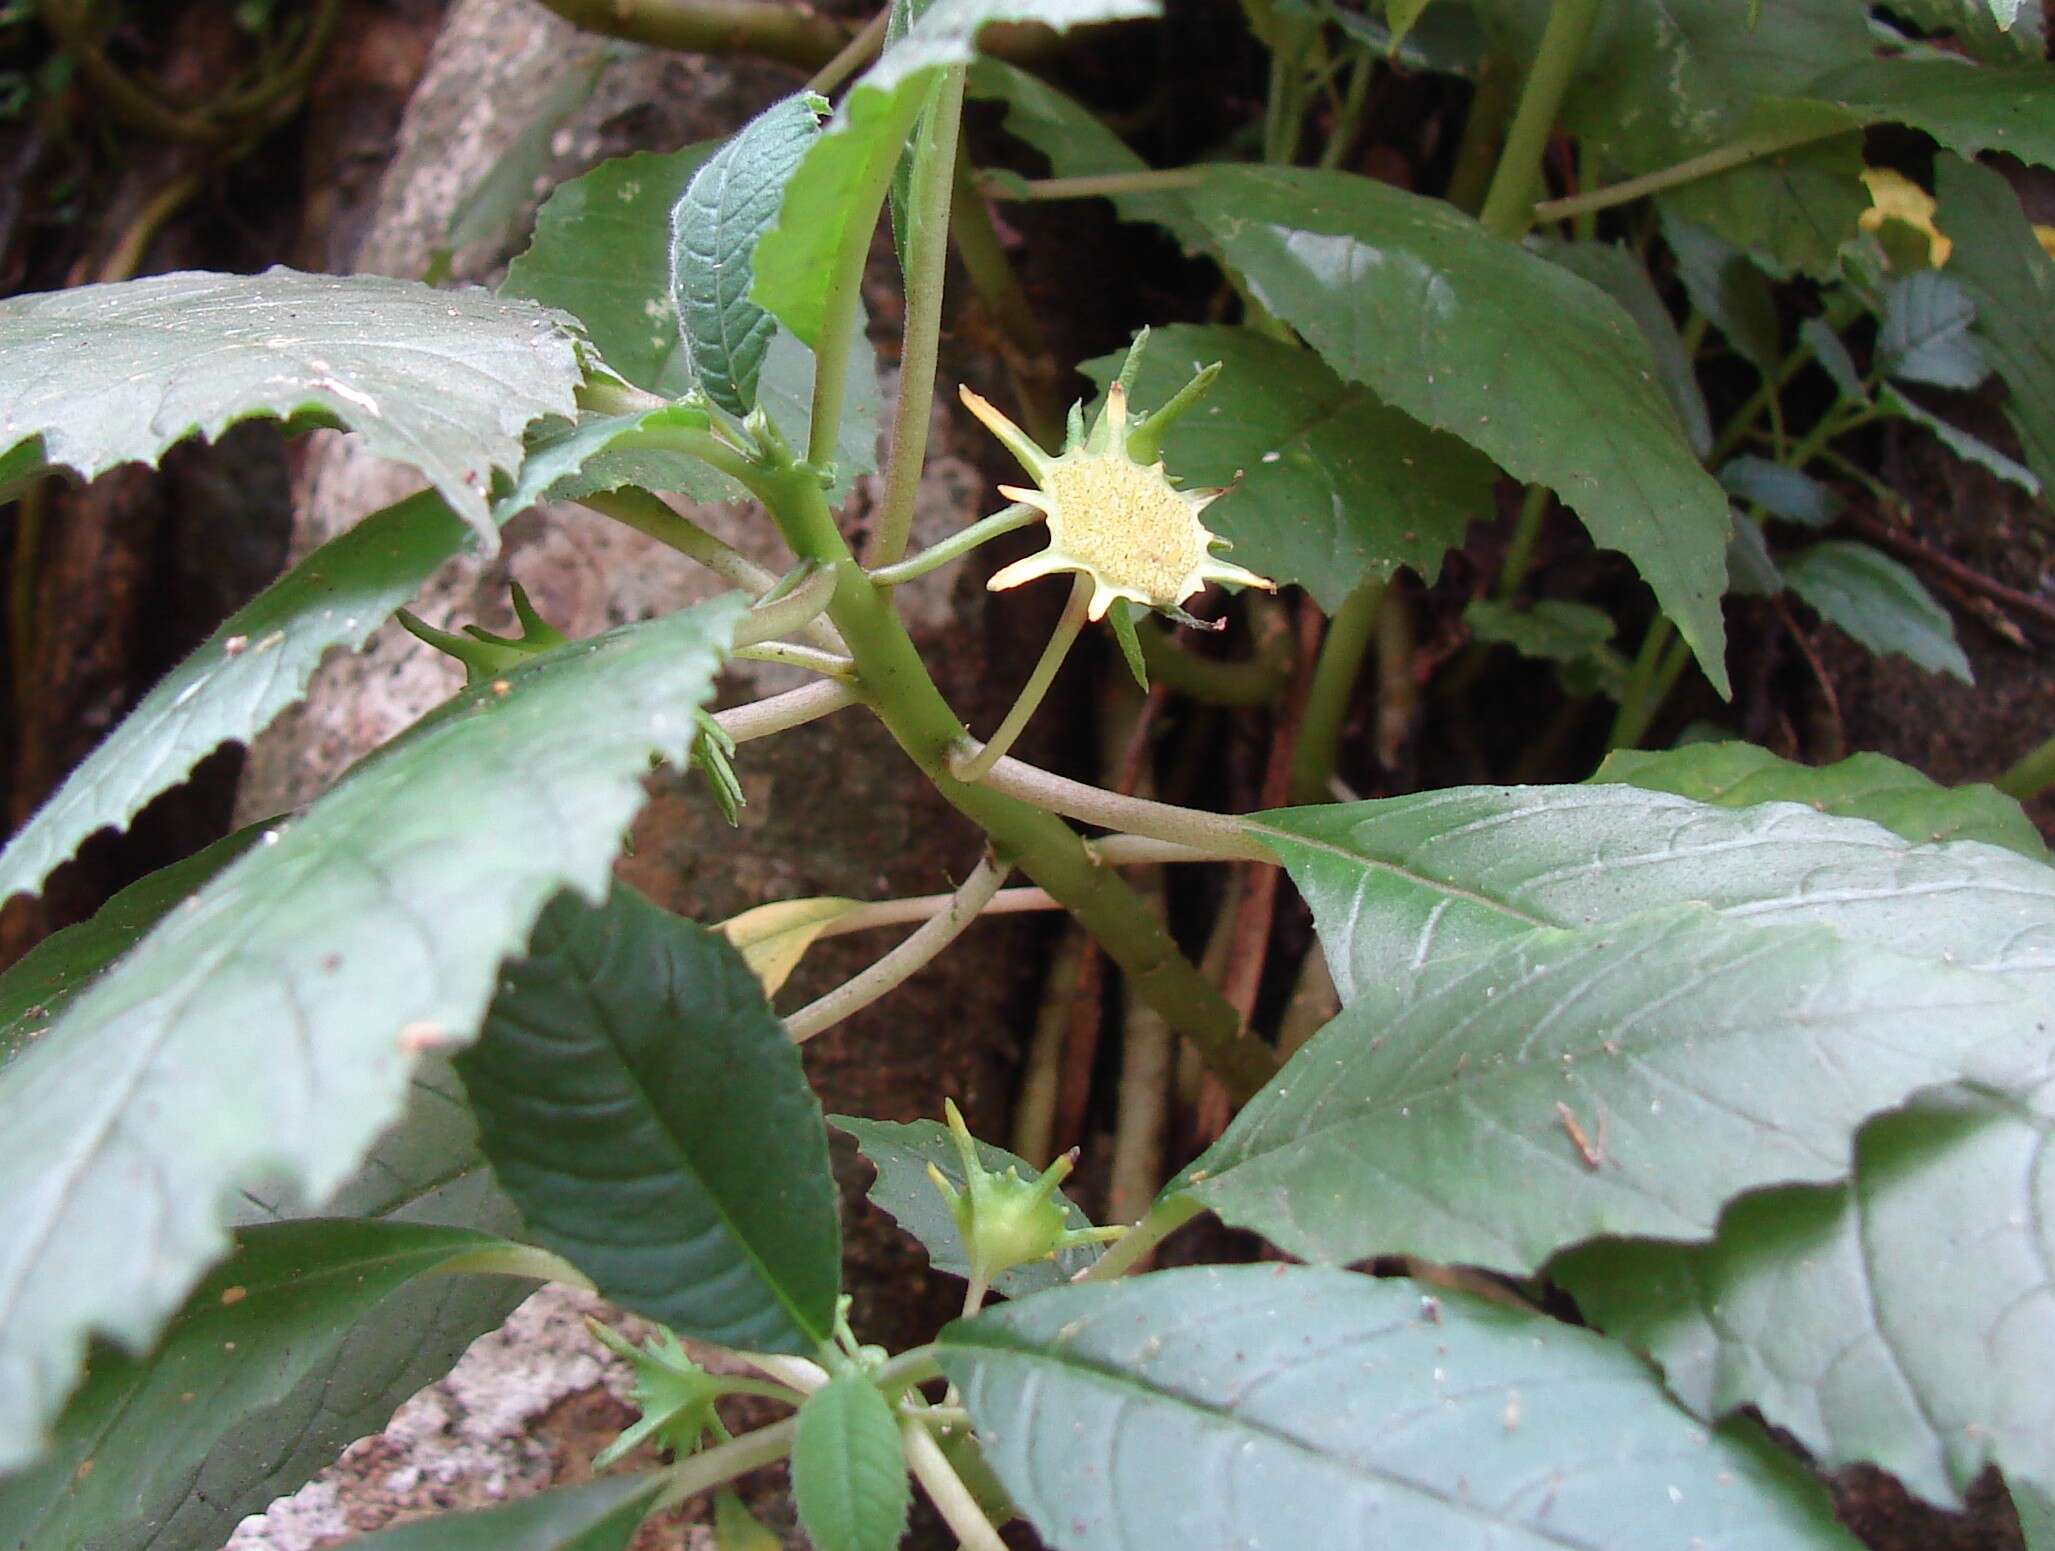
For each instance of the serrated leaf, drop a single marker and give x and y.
(1291, 1406)
(643, 1106)
(1615, 270)
(2009, 276)
(266, 1030)
(443, 380)
(267, 1318)
(237, 681)
(1725, 284)
(732, 201)
(1397, 882)
(1969, 108)
(38, 985)
(1780, 490)
(848, 1469)
(598, 1516)
(841, 182)
(602, 252)
(902, 1155)
(773, 938)
(1633, 1077)
(1878, 602)
(1971, 449)
(1925, 335)
(1330, 486)
(1903, 1320)
(1862, 786)
(1451, 324)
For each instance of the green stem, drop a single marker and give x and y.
(992, 277)
(1706, 164)
(793, 34)
(932, 182)
(1520, 551)
(1484, 129)
(704, 1472)
(1015, 517)
(921, 947)
(1639, 706)
(1509, 205)
(1156, 180)
(2031, 776)
(1045, 848)
(1341, 139)
(973, 768)
(842, 296)
(1164, 1219)
(856, 53)
(1332, 691)
(1256, 680)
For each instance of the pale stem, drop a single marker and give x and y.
(1219, 836)
(794, 611)
(831, 664)
(896, 967)
(974, 1292)
(971, 767)
(925, 907)
(1143, 851)
(945, 1489)
(1098, 185)
(856, 53)
(929, 186)
(1015, 517)
(781, 713)
(1141, 1240)
(704, 1472)
(1705, 165)
(800, 1373)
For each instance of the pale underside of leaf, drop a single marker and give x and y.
(266, 1029)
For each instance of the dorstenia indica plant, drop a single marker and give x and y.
(1714, 1092)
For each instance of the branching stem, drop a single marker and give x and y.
(1217, 836)
(1705, 165)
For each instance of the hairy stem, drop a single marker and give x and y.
(1509, 204)
(930, 186)
(896, 967)
(972, 768)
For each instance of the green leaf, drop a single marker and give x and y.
(1725, 284)
(1878, 602)
(1793, 210)
(239, 679)
(1573, 635)
(38, 985)
(1995, 31)
(1397, 882)
(443, 380)
(1862, 786)
(1969, 108)
(1317, 1409)
(1330, 487)
(568, 461)
(902, 1156)
(2000, 263)
(602, 252)
(1780, 490)
(1633, 1077)
(833, 198)
(643, 1105)
(1615, 270)
(599, 1516)
(267, 1318)
(1925, 335)
(1121, 617)
(732, 201)
(848, 1470)
(265, 1031)
(1971, 449)
(1451, 324)
(1903, 1320)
